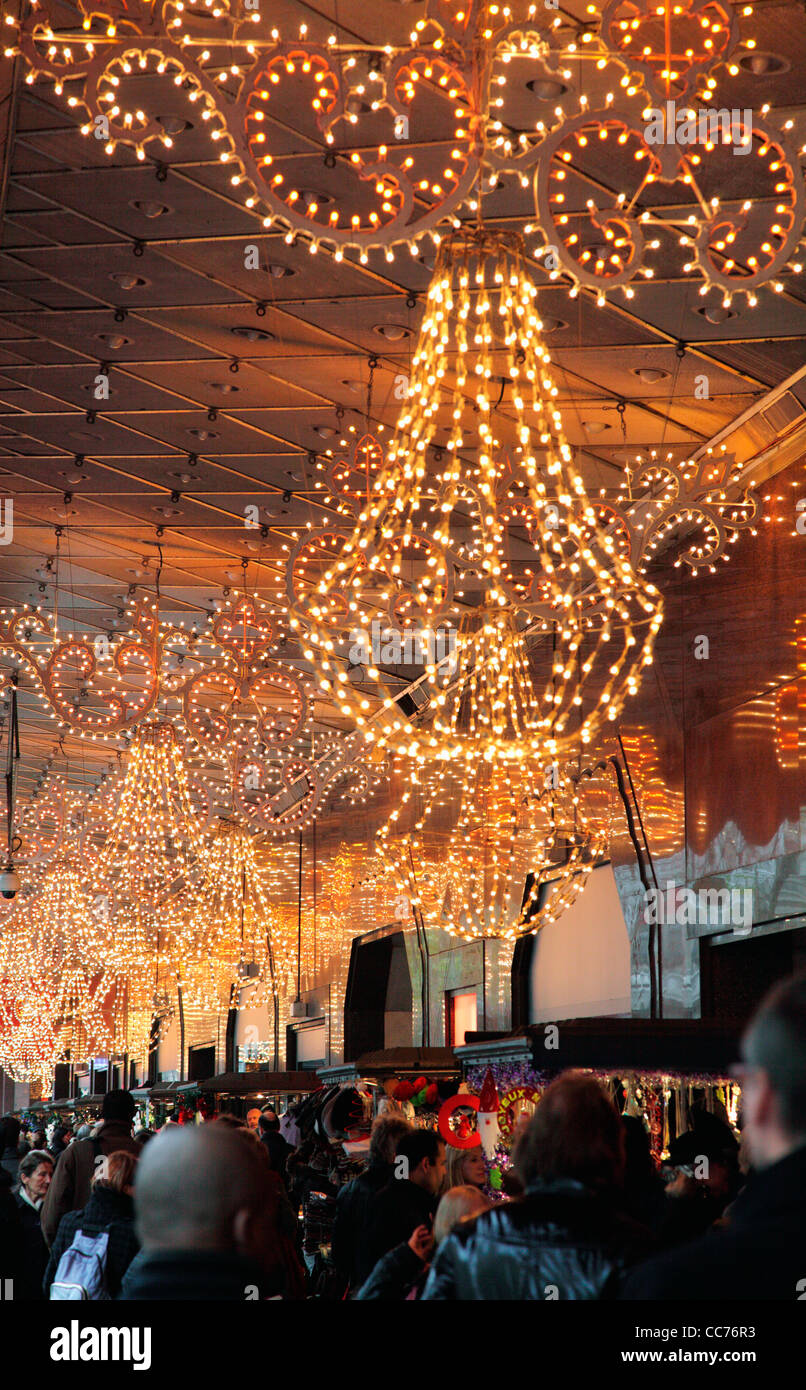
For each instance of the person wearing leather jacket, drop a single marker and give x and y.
(565, 1237)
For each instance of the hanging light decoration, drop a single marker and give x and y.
(455, 471)
(488, 855)
(154, 841)
(229, 936)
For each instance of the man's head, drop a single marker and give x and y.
(387, 1132)
(118, 1107)
(574, 1133)
(36, 1171)
(205, 1187)
(424, 1154)
(268, 1122)
(773, 1074)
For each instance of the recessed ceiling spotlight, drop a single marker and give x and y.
(649, 374)
(550, 325)
(149, 208)
(764, 64)
(278, 271)
(717, 313)
(357, 387)
(127, 280)
(174, 125)
(198, 433)
(547, 88)
(394, 332)
(113, 340)
(225, 387)
(82, 434)
(325, 431)
(595, 426)
(169, 511)
(253, 335)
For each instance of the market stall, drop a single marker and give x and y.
(664, 1071)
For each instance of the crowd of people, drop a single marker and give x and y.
(212, 1211)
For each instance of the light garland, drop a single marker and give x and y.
(585, 600)
(457, 67)
(469, 880)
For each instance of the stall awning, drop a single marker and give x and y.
(677, 1046)
(249, 1083)
(172, 1090)
(433, 1062)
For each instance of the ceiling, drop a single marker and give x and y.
(139, 270)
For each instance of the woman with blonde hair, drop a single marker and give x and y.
(465, 1168)
(109, 1209)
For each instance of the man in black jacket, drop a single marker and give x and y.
(410, 1199)
(565, 1238)
(268, 1128)
(761, 1252)
(351, 1229)
(206, 1218)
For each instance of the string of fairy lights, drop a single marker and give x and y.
(472, 520)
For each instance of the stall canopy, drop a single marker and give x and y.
(249, 1083)
(675, 1045)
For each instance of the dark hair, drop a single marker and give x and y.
(385, 1136)
(118, 1105)
(268, 1123)
(419, 1144)
(638, 1165)
(775, 1041)
(31, 1161)
(229, 1120)
(10, 1132)
(143, 1135)
(575, 1132)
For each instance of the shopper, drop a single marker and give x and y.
(401, 1273)
(272, 1140)
(350, 1253)
(465, 1168)
(110, 1209)
(409, 1200)
(72, 1180)
(12, 1236)
(205, 1219)
(759, 1253)
(36, 1172)
(565, 1239)
(59, 1141)
(10, 1153)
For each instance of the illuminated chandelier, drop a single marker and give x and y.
(241, 706)
(154, 841)
(435, 540)
(488, 856)
(365, 109)
(228, 939)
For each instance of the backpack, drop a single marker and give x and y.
(82, 1269)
